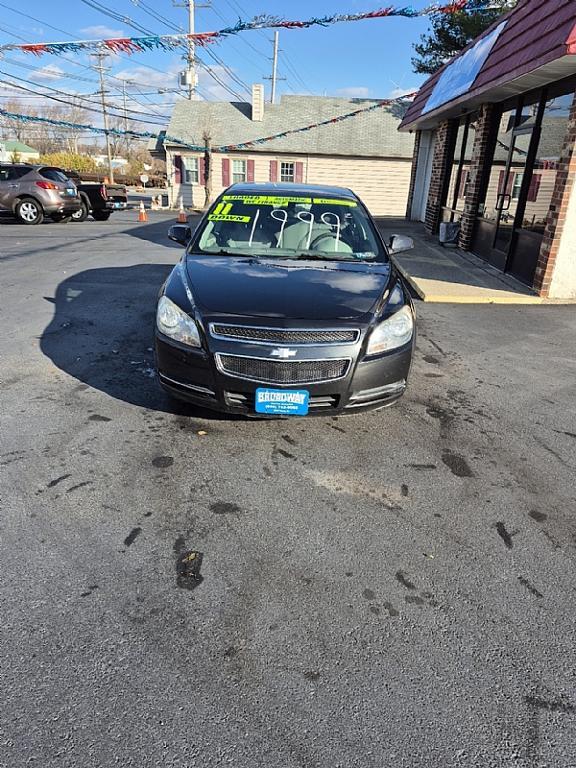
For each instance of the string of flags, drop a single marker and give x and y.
(131, 45)
(313, 126)
(201, 148)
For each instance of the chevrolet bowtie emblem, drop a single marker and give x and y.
(283, 352)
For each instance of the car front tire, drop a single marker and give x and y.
(101, 215)
(29, 212)
(81, 214)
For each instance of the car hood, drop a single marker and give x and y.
(308, 290)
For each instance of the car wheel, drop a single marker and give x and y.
(60, 218)
(81, 214)
(28, 211)
(101, 215)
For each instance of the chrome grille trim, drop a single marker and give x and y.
(281, 365)
(294, 337)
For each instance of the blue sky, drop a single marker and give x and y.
(368, 58)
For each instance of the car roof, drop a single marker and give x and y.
(291, 190)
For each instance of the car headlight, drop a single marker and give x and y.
(393, 332)
(175, 323)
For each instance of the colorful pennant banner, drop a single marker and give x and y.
(264, 21)
(166, 138)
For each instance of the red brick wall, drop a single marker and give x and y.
(413, 174)
(565, 180)
(475, 174)
(444, 141)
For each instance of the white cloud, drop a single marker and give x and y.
(151, 79)
(99, 31)
(49, 72)
(395, 93)
(354, 92)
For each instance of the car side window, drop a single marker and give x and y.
(4, 174)
(18, 173)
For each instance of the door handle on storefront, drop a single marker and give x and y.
(503, 202)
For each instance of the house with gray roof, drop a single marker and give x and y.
(365, 153)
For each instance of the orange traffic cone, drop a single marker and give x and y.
(142, 215)
(182, 218)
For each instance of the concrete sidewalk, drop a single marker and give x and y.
(449, 275)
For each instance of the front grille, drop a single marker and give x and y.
(285, 335)
(280, 372)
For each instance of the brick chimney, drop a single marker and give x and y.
(257, 103)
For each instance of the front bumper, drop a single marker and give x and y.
(192, 375)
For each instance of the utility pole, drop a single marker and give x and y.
(190, 74)
(100, 67)
(274, 77)
(125, 106)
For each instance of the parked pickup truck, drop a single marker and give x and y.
(98, 199)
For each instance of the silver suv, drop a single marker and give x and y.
(31, 192)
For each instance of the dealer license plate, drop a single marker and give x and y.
(118, 205)
(282, 402)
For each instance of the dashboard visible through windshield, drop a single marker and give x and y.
(327, 228)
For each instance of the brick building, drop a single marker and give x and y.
(366, 153)
(495, 132)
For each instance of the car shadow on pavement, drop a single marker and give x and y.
(156, 231)
(102, 334)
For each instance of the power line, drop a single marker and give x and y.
(72, 61)
(78, 97)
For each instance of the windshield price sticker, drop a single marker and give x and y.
(228, 217)
(283, 201)
(332, 201)
(268, 199)
(282, 401)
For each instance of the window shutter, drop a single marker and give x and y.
(202, 171)
(534, 187)
(225, 172)
(249, 170)
(501, 182)
(273, 170)
(298, 173)
(510, 183)
(178, 169)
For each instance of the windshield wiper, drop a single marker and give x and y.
(315, 256)
(227, 252)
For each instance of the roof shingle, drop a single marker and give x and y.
(371, 134)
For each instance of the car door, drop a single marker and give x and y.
(6, 188)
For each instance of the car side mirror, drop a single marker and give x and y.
(399, 243)
(180, 233)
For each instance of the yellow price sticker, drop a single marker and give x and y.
(268, 199)
(332, 201)
(228, 217)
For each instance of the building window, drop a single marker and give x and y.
(459, 169)
(287, 172)
(191, 170)
(238, 171)
(517, 185)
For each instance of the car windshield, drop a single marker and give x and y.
(299, 227)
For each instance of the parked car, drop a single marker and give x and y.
(98, 199)
(31, 192)
(285, 303)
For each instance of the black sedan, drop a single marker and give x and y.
(285, 302)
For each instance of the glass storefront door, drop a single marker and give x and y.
(509, 189)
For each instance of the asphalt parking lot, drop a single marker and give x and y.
(387, 589)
